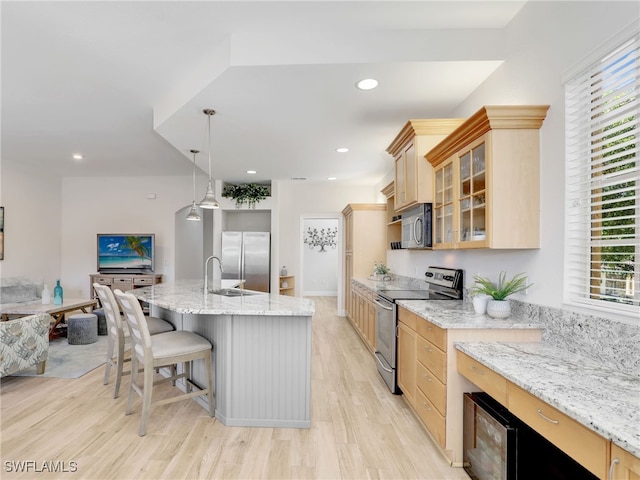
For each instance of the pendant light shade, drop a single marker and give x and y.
(209, 201)
(193, 213)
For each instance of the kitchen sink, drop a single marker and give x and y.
(233, 292)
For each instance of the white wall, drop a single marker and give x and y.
(120, 205)
(32, 243)
(544, 40)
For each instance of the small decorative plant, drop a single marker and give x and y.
(502, 289)
(381, 269)
(249, 193)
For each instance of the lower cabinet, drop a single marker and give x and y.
(363, 314)
(428, 374)
(624, 466)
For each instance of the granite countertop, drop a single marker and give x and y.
(449, 314)
(601, 399)
(186, 296)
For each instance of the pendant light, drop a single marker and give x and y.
(193, 213)
(209, 201)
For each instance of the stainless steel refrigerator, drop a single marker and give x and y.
(246, 255)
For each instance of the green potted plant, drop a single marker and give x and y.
(381, 271)
(498, 305)
(249, 193)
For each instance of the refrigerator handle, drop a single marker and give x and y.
(241, 263)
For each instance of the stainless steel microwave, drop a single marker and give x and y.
(416, 226)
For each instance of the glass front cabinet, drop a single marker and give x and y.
(486, 181)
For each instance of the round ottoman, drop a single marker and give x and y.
(102, 321)
(82, 329)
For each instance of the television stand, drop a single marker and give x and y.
(123, 281)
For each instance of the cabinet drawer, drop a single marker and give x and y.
(433, 333)
(583, 445)
(103, 280)
(432, 388)
(144, 280)
(407, 317)
(434, 422)
(627, 466)
(433, 358)
(482, 376)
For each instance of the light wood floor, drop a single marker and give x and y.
(359, 429)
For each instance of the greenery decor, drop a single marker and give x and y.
(249, 193)
(503, 288)
(381, 269)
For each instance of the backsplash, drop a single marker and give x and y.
(615, 344)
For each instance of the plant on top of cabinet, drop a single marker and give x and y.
(412, 172)
(498, 306)
(249, 193)
(487, 180)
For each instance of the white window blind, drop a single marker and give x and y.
(602, 105)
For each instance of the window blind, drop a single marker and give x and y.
(602, 237)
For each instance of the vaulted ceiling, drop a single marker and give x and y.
(124, 83)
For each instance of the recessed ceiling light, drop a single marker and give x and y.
(77, 156)
(331, 178)
(251, 172)
(367, 84)
(342, 150)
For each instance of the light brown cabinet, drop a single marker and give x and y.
(287, 285)
(364, 314)
(413, 175)
(624, 465)
(364, 244)
(406, 365)
(394, 222)
(431, 362)
(486, 180)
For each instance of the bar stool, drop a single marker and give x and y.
(158, 351)
(118, 335)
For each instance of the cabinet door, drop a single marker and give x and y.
(471, 193)
(406, 366)
(405, 176)
(443, 209)
(624, 466)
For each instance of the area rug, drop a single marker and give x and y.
(71, 361)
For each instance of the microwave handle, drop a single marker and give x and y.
(418, 231)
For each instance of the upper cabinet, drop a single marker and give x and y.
(413, 174)
(487, 180)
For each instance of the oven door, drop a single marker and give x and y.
(386, 341)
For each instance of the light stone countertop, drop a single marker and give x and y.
(601, 399)
(186, 296)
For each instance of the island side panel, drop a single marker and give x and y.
(271, 371)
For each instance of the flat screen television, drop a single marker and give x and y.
(126, 253)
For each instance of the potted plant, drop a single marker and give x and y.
(381, 271)
(249, 193)
(498, 305)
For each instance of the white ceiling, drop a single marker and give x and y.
(125, 83)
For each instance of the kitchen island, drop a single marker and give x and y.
(262, 350)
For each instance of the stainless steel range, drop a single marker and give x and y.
(443, 284)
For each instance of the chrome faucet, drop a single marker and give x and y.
(206, 269)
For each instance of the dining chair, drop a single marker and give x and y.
(118, 335)
(158, 351)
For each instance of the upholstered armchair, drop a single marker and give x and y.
(24, 342)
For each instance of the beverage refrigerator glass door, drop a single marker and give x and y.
(416, 227)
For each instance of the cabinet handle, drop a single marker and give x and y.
(426, 376)
(555, 422)
(426, 406)
(477, 370)
(614, 462)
